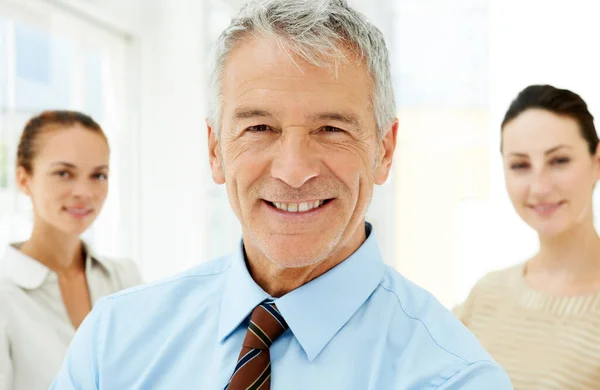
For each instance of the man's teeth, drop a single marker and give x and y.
(299, 207)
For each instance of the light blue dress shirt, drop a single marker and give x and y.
(360, 326)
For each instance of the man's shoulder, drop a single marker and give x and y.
(437, 329)
(196, 280)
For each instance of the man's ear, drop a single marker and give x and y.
(387, 146)
(214, 155)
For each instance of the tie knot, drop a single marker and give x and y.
(266, 325)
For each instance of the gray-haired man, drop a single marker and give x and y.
(301, 126)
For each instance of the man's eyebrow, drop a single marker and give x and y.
(250, 112)
(336, 116)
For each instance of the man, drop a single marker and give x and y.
(302, 125)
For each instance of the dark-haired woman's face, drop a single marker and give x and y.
(549, 172)
(69, 184)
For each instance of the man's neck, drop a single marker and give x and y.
(278, 281)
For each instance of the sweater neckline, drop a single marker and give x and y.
(559, 305)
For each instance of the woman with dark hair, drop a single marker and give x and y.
(541, 319)
(51, 281)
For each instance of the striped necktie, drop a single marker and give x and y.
(253, 369)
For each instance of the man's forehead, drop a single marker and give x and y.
(261, 80)
(257, 58)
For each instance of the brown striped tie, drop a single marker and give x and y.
(253, 369)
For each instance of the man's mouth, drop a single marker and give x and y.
(299, 207)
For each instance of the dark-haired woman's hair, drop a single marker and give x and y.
(560, 102)
(49, 120)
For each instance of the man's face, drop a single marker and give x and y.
(298, 152)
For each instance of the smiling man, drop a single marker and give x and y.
(301, 127)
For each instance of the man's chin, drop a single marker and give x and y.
(289, 251)
(295, 256)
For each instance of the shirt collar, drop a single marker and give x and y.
(315, 311)
(241, 295)
(29, 273)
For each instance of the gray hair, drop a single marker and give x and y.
(309, 28)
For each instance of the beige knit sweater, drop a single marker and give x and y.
(544, 342)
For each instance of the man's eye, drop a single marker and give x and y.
(332, 129)
(258, 128)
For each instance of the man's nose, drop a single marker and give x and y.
(295, 163)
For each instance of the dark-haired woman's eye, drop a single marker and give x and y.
(519, 166)
(560, 161)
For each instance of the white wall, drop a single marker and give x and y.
(441, 160)
(172, 138)
(126, 14)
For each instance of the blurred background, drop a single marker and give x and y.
(139, 68)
